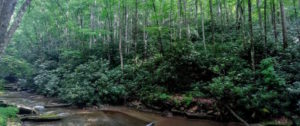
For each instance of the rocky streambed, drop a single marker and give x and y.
(36, 110)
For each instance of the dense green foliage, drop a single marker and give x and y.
(5, 113)
(106, 51)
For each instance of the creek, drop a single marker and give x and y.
(106, 116)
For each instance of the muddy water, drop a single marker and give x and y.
(107, 116)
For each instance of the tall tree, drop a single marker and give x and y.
(126, 27)
(186, 23)
(212, 21)
(243, 24)
(283, 23)
(295, 9)
(273, 15)
(6, 11)
(251, 34)
(196, 16)
(203, 26)
(92, 23)
(226, 12)
(237, 12)
(120, 37)
(135, 30)
(265, 22)
(221, 20)
(159, 39)
(145, 35)
(258, 4)
(180, 18)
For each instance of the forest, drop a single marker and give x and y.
(232, 60)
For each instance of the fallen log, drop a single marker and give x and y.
(42, 118)
(197, 115)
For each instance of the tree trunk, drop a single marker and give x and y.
(273, 14)
(243, 20)
(283, 23)
(186, 24)
(135, 31)
(212, 22)
(159, 39)
(111, 35)
(226, 11)
(222, 21)
(180, 18)
(196, 17)
(145, 37)
(126, 28)
(92, 18)
(295, 9)
(120, 37)
(258, 3)
(203, 27)
(6, 13)
(265, 24)
(237, 17)
(251, 34)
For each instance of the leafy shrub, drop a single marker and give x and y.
(47, 83)
(6, 113)
(294, 93)
(187, 100)
(197, 90)
(10, 65)
(91, 83)
(266, 94)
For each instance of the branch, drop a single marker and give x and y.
(237, 116)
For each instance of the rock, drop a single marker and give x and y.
(63, 114)
(23, 110)
(26, 110)
(217, 113)
(167, 114)
(151, 124)
(39, 108)
(135, 104)
(193, 109)
(3, 104)
(177, 112)
(210, 112)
